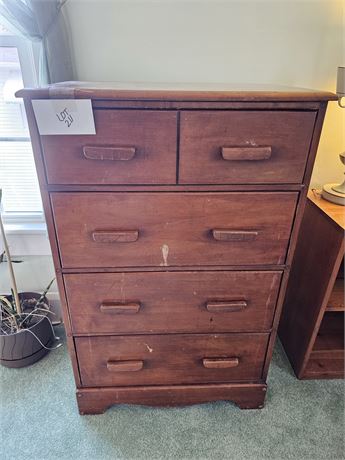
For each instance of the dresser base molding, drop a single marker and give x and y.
(98, 400)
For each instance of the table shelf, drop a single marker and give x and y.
(312, 322)
(336, 299)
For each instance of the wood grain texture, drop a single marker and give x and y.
(118, 308)
(204, 135)
(175, 91)
(293, 240)
(246, 153)
(220, 363)
(100, 153)
(35, 141)
(125, 366)
(234, 235)
(296, 227)
(115, 236)
(319, 252)
(178, 188)
(170, 359)
(167, 276)
(174, 229)
(336, 299)
(149, 104)
(98, 400)
(152, 134)
(327, 356)
(172, 269)
(172, 301)
(314, 144)
(334, 211)
(226, 306)
(325, 367)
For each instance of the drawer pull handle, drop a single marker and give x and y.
(230, 306)
(116, 236)
(125, 366)
(234, 235)
(246, 153)
(108, 153)
(120, 309)
(220, 363)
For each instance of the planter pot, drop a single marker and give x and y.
(22, 348)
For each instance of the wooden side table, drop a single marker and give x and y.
(312, 323)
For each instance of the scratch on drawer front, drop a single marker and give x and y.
(268, 301)
(269, 297)
(122, 285)
(149, 348)
(165, 253)
(251, 142)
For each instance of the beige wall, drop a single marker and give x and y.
(287, 42)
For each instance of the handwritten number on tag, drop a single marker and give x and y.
(65, 117)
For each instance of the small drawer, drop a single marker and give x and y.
(129, 147)
(173, 229)
(244, 147)
(170, 359)
(168, 302)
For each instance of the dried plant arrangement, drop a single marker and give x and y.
(26, 331)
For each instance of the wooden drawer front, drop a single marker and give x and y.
(244, 147)
(130, 147)
(172, 229)
(163, 302)
(170, 359)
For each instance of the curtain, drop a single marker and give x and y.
(43, 21)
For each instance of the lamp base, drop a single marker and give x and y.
(330, 194)
(340, 188)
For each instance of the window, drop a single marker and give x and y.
(18, 179)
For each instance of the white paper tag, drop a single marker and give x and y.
(64, 116)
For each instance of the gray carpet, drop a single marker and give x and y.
(39, 420)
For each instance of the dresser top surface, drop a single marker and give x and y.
(174, 91)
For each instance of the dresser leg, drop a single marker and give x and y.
(98, 400)
(90, 404)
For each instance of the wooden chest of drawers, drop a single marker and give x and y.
(172, 231)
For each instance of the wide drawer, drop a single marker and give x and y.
(172, 229)
(129, 147)
(170, 359)
(244, 147)
(165, 302)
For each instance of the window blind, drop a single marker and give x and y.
(18, 178)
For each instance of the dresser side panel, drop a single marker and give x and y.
(36, 146)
